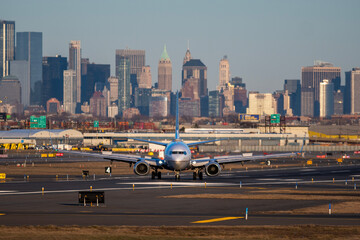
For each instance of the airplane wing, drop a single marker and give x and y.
(202, 142)
(128, 158)
(148, 141)
(200, 162)
(241, 158)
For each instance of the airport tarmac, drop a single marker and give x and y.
(140, 201)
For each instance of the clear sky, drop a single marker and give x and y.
(266, 41)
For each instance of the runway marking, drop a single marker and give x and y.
(268, 179)
(307, 170)
(217, 219)
(341, 171)
(198, 184)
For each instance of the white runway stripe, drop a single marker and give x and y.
(181, 183)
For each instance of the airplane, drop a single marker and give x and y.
(177, 158)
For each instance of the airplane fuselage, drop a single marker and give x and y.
(177, 156)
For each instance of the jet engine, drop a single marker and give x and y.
(212, 169)
(141, 168)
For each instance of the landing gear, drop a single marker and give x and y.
(177, 176)
(155, 174)
(200, 175)
(197, 173)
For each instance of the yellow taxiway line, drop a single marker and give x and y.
(217, 219)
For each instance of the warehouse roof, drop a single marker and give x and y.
(41, 133)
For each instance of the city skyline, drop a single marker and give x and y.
(266, 42)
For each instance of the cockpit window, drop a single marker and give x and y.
(179, 152)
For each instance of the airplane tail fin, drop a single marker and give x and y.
(177, 117)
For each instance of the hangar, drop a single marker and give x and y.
(42, 136)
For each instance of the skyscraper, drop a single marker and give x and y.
(10, 90)
(228, 92)
(195, 69)
(158, 106)
(165, 72)
(293, 87)
(216, 100)
(224, 72)
(326, 98)
(136, 60)
(145, 79)
(29, 48)
(312, 76)
(338, 102)
(19, 68)
(7, 46)
(307, 101)
(98, 104)
(261, 103)
(142, 100)
(187, 56)
(123, 74)
(53, 77)
(70, 88)
(75, 64)
(354, 87)
(92, 74)
(114, 88)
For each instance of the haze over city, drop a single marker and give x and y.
(265, 41)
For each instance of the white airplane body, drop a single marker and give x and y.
(177, 158)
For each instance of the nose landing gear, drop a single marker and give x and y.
(177, 176)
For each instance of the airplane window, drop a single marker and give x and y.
(178, 152)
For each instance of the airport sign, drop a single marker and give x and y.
(38, 122)
(107, 169)
(249, 117)
(275, 118)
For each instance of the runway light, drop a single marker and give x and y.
(296, 186)
(205, 184)
(240, 185)
(246, 214)
(42, 190)
(133, 187)
(329, 208)
(333, 180)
